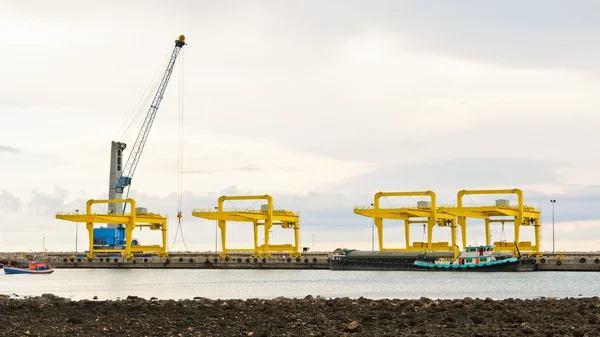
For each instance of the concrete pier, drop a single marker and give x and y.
(574, 261)
(186, 261)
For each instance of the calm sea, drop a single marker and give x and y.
(243, 284)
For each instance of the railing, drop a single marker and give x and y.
(253, 211)
(145, 214)
(525, 207)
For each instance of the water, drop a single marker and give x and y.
(253, 283)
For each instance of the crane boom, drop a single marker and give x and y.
(136, 151)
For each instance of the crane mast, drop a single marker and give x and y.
(121, 176)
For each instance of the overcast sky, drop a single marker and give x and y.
(320, 104)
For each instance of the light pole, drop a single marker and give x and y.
(373, 233)
(216, 230)
(553, 202)
(313, 247)
(76, 230)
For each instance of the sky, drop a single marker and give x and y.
(319, 104)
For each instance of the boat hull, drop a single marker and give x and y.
(512, 264)
(394, 261)
(16, 270)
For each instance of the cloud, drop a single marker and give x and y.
(249, 169)
(455, 174)
(9, 202)
(10, 149)
(48, 203)
(196, 172)
(367, 97)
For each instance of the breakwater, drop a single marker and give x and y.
(308, 316)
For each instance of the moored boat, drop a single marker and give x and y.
(34, 268)
(479, 258)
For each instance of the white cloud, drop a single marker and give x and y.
(320, 106)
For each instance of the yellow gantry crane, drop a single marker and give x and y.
(519, 215)
(430, 215)
(137, 218)
(266, 217)
(412, 215)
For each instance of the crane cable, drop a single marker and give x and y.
(180, 159)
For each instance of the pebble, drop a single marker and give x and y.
(50, 315)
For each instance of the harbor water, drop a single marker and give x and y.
(251, 283)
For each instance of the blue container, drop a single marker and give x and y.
(105, 236)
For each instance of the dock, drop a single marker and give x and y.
(571, 261)
(194, 260)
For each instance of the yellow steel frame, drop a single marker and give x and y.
(407, 213)
(523, 216)
(130, 220)
(268, 218)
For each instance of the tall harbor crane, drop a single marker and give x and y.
(122, 175)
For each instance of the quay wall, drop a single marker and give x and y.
(187, 261)
(584, 261)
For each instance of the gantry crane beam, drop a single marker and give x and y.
(130, 220)
(247, 215)
(406, 214)
(267, 218)
(522, 215)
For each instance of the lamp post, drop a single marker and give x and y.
(553, 202)
(373, 233)
(76, 231)
(216, 231)
(313, 247)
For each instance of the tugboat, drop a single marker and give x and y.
(480, 258)
(34, 268)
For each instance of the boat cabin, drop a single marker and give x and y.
(38, 266)
(476, 254)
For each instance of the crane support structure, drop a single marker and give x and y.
(423, 210)
(265, 217)
(137, 148)
(501, 212)
(135, 219)
(522, 215)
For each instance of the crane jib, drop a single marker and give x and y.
(136, 151)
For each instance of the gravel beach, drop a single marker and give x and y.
(50, 315)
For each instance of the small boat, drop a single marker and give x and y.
(479, 258)
(34, 268)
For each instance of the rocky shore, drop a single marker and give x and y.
(50, 315)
